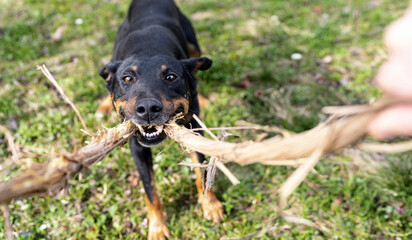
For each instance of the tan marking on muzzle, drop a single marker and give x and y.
(130, 106)
(177, 102)
(170, 106)
(167, 105)
(118, 105)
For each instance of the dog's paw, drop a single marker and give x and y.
(212, 207)
(158, 230)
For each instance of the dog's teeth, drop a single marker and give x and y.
(159, 129)
(156, 133)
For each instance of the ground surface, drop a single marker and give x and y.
(253, 78)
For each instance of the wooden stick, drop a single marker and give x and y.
(303, 149)
(51, 176)
(266, 152)
(49, 76)
(386, 147)
(297, 177)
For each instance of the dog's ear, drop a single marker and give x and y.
(194, 64)
(190, 66)
(108, 72)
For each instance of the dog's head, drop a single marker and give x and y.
(150, 91)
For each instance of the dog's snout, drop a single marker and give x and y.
(148, 109)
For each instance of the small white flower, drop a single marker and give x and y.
(327, 59)
(24, 207)
(344, 81)
(275, 19)
(78, 21)
(64, 201)
(296, 56)
(42, 227)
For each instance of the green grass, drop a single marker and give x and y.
(244, 38)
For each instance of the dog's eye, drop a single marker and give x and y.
(171, 77)
(127, 79)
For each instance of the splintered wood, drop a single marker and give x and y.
(335, 133)
(51, 176)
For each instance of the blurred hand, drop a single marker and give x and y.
(394, 78)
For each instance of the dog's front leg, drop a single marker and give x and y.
(144, 162)
(212, 207)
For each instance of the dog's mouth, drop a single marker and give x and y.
(153, 135)
(150, 136)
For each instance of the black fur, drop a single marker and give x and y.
(150, 45)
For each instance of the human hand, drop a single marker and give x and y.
(394, 78)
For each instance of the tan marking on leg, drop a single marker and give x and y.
(106, 106)
(157, 220)
(193, 52)
(134, 68)
(212, 208)
(164, 67)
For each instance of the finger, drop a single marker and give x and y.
(395, 78)
(395, 121)
(398, 36)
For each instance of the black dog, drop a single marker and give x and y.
(150, 80)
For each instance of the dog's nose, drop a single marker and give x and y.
(148, 109)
